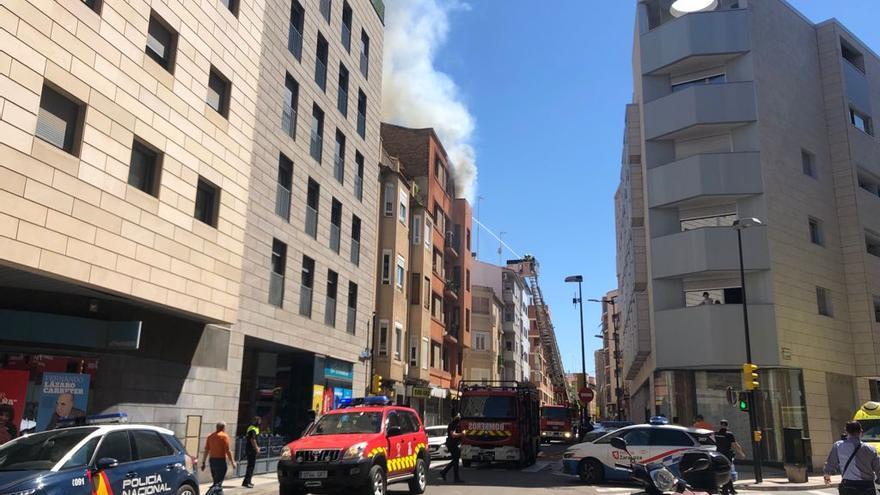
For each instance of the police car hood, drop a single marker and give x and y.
(12, 479)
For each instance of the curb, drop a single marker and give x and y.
(785, 487)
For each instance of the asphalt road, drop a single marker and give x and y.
(542, 478)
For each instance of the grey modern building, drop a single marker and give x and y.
(748, 109)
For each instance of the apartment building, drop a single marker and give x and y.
(443, 224)
(539, 362)
(157, 196)
(745, 110)
(481, 360)
(609, 362)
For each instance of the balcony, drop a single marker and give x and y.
(339, 168)
(312, 222)
(451, 245)
(295, 42)
(342, 102)
(718, 174)
(450, 290)
(351, 321)
(321, 74)
(330, 312)
(282, 202)
(305, 301)
(288, 120)
(714, 336)
(276, 289)
(355, 252)
(316, 145)
(869, 205)
(700, 110)
(857, 91)
(696, 41)
(708, 250)
(335, 236)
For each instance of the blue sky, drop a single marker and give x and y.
(547, 87)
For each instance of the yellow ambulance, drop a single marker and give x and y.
(869, 416)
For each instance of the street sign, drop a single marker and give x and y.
(586, 395)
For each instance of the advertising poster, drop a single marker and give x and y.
(13, 394)
(328, 400)
(62, 395)
(318, 399)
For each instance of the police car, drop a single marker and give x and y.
(101, 457)
(595, 462)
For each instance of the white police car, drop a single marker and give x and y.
(97, 459)
(594, 462)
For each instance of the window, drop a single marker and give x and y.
(716, 79)
(93, 4)
(218, 92)
(481, 305)
(339, 157)
(823, 301)
(359, 178)
(362, 114)
(207, 202)
(816, 234)
(872, 243)
(321, 63)
(414, 352)
(808, 163)
(427, 298)
(232, 5)
(436, 306)
(706, 222)
(437, 262)
(401, 212)
(276, 276)
(480, 341)
(398, 340)
(346, 26)
(415, 288)
(468, 246)
(149, 445)
(861, 121)
(400, 273)
(307, 286)
(436, 355)
(335, 225)
(59, 121)
(877, 309)
(429, 229)
(351, 323)
(330, 304)
(383, 337)
(467, 279)
(115, 445)
(161, 42)
(416, 230)
(467, 320)
(313, 199)
(290, 106)
(365, 53)
(324, 7)
(316, 144)
(386, 267)
(355, 240)
(342, 93)
(851, 55)
(869, 182)
(508, 345)
(144, 168)
(297, 20)
(285, 183)
(388, 210)
(83, 455)
(425, 346)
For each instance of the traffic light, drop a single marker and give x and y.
(750, 377)
(743, 402)
(377, 384)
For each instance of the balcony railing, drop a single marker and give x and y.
(351, 321)
(362, 124)
(334, 237)
(325, 9)
(316, 145)
(355, 252)
(346, 37)
(339, 168)
(359, 187)
(312, 222)
(288, 120)
(365, 64)
(342, 102)
(330, 312)
(282, 202)
(276, 289)
(321, 74)
(295, 42)
(305, 301)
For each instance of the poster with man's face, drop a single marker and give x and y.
(62, 395)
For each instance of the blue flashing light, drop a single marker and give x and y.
(659, 420)
(378, 400)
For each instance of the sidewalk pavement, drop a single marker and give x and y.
(232, 486)
(775, 480)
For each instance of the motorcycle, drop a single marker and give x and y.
(657, 479)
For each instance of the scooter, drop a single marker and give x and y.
(656, 478)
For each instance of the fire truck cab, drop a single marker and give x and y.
(500, 422)
(558, 423)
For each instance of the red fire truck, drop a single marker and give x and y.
(558, 423)
(500, 422)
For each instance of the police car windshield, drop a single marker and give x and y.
(555, 413)
(40, 451)
(872, 430)
(348, 422)
(489, 406)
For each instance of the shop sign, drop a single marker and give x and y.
(339, 370)
(62, 395)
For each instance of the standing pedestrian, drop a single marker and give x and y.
(860, 462)
(251, 449)
(453, 444)
(727, 446)
(217, 449)
(700, 423)
(7, 423)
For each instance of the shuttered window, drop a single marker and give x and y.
(58, 120)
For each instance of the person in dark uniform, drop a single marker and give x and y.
(453, 444)
(251, 449)
(857, 463)
(727, 446)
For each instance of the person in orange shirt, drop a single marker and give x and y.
(700, 422)
(217, 448)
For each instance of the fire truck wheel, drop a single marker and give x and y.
(590, 471)
(466, 463)
(419, 483)
(378, 483)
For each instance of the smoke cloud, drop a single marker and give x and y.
(416, 94)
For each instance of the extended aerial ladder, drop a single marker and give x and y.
(527, 267)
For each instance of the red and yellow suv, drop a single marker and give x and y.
(358, 449)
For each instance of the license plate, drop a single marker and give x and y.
(490, 456)
(313, 475)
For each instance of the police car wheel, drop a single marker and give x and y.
(186, 490)
(590, 471)
(419, 483)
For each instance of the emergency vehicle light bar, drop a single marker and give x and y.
(659, 420)
(377, 400)
(100, 419)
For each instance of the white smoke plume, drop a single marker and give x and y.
(415, 94)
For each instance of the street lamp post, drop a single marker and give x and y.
(580, 300)
(615, 335)
(740, 225)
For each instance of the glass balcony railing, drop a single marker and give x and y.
(359, 187)
(295, 42)
(351, 322)
(276, 289)
(365, 64)
(335, 235)
(342, 102)
(362, 124)
(305, 301)
(330, 312)
(316, 145)
(325, 9)
(288, 121)
(282, 202)
(355, 252)
(346, 37)
(339, 168)
(312, 222)
(321, 74)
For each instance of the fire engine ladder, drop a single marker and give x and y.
(548, 337)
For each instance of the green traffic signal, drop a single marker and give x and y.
(743, 405)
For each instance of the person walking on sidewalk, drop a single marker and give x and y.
(217, 449)
(857, 462)
(251, 449)
(727, 446)
(453, 444)
(700, 423)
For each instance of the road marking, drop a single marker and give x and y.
(818, 492)
(618, 489)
